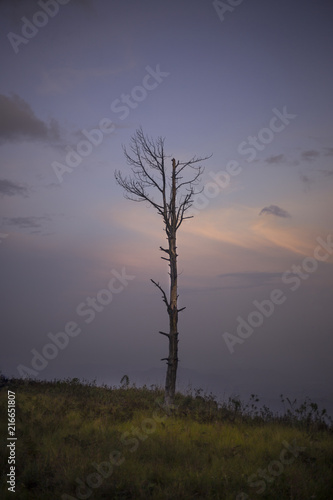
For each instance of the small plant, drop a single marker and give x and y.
(125, 382)
(307, 414)
(3, 379)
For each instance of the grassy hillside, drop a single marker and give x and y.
(77, 440)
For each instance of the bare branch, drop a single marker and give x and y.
(166, 334)
(137, 189)
(192, 181)
(165, 250)
(192, 161)
(165, 300)
(146, 154)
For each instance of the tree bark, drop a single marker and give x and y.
(172, 360)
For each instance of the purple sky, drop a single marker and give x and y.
(253, 87)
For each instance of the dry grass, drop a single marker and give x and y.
(77, 440)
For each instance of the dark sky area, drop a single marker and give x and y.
(250, 84)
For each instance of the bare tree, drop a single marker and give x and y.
(175, 192)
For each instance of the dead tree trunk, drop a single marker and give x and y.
(171, 375)
(172, 303)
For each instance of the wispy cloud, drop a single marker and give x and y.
(274, 210)
(26, 222)
(275, 160)
(288, 237)
(305, 178)
(310, 155)
(18, 122)
(9, 188)
(249, 279)
(326, 172)
(307, 181)
(328, 151)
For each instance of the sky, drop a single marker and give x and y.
(248, 82)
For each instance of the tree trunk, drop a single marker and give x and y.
(170, 382)
(172, 360)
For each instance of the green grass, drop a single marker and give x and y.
(77, 440)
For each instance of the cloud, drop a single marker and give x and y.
(9, 188)
(18, 122)
(15, 9)
(250, 279)
(306, 181)
(304, 178)
(26, 222)
(275, 160)
(274, 210)
(237, 281)
(310, 155)
(326, 172)
(329, 152)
